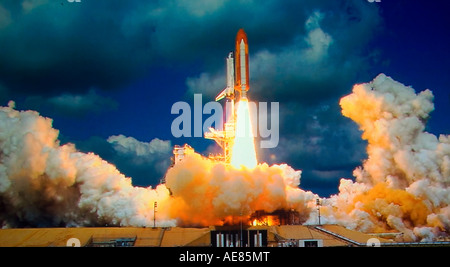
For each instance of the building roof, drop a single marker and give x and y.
(351, 236)
(332, 235)
(177, 236)
(303, 232)
(148, 237)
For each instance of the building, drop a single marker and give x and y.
(213, 236)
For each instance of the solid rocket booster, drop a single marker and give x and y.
(237, 69)
(241, 64)
(229, 90)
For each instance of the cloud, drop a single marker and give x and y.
(82, 103)
(206, 84)
(73, 105)
(313, 68)
(145, 162)
(317, 40)
(29, 5)
(129, 145)
(5, 17)
(52, 45)
(106, 44)
(320, 60)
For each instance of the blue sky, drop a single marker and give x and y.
(108, 72)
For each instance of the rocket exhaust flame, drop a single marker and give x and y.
(243, 152)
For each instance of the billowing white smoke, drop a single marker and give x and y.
(404, 184)
(45, 184)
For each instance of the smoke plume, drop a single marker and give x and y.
(44, 183)
(206, 192)
(403, 185)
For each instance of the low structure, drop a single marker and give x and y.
(213, 236)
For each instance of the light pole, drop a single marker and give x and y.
(241, 231)
(318, 207)
(155, 204)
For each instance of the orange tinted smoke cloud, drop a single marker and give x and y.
(205, 192)
(403, 185)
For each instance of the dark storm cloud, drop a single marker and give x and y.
(322, 56)
(55, 46)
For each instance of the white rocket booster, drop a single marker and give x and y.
(229, 90)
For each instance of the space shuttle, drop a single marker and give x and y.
(237, 80)
(237, 72)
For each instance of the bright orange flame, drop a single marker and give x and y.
(266, 221)
(243, 152)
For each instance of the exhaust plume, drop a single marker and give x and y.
(403, 185)
(243, 153)
(43, 183)
(206, 192)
